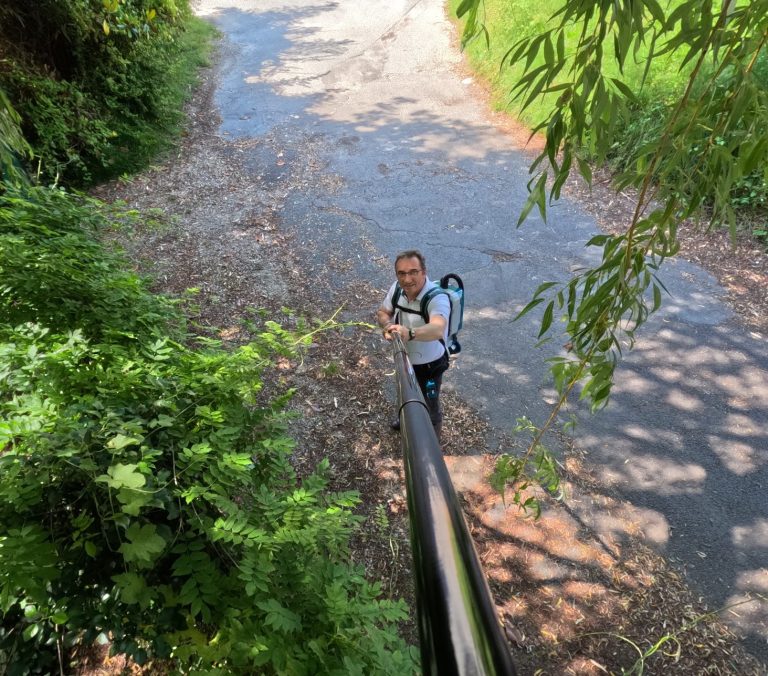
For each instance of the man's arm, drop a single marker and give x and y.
(435, 330)
(432, 331)
(384, 317)
(439, 311)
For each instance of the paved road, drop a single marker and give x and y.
(368, 103)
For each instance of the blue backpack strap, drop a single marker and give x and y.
(396, 294)
(425, 301)
(423, 310)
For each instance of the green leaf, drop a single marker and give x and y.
(123, 476)
(543, 287)
(546, 320)
(528, 308)
(59, 617)
(31, 631)
(464, 7)
(133, 500)
(120, 441)
(624, 89)
(536, 196)
(144, 544)
(754, 158)
(655, 9)
(133, 589)
(656, 297)
(280, 617)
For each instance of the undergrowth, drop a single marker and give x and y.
(99, 86)
(146, 494)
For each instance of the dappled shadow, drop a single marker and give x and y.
(686, 439)
(371, 165)
(577, 585)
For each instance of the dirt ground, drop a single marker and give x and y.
(575, 596)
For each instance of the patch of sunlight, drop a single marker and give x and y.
(488, 313)
(705, 356)
(750, 382)
(640, 433)
(669, 336)
(481, 368)
(513, 379)
(748, 609)
(683, 401)
(741, 425)
(737, 456)
(663, 476)
(754, 535)
(635, 383)
(655, 526)
(667, 375)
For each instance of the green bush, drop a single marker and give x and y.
(13, 147)
(146, 493)
(99, 86)
(68, 136)
(54, 272)
(750, 194)
(143, 94)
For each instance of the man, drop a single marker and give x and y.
(424, 341)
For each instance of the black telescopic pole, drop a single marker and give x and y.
(458, 626)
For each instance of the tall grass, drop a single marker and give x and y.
(657, 90)
(508, 21)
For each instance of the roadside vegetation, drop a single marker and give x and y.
(147, 499)
(656, 77)
(99, 86)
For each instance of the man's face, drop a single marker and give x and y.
(411, 276)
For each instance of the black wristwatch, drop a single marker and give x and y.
(411, 334)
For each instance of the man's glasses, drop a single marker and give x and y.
(402, 274)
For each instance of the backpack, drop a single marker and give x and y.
(455, 293)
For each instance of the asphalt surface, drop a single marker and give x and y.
(369, 103)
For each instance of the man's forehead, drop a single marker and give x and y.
(408, 263)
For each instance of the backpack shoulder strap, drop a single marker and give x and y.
(425, 301)
(396, 295)
(398, 309)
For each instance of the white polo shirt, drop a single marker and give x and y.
(419, 351)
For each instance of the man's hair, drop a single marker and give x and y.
(412, 253)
